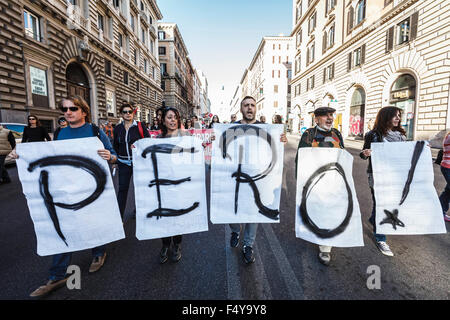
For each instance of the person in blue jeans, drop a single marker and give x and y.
(387, 128)
(77, 113)
(248, 110)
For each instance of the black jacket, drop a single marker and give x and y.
(369, 137)
(123, 141)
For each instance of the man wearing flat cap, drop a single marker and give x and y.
(323, 135)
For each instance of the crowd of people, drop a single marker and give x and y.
(118, 142)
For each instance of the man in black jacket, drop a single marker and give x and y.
(125, 134)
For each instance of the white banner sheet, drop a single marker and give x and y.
(170, 189)
(327, 209)
(406, 200)
(70, 195)
(246, 173)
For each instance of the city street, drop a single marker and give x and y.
(286, 267)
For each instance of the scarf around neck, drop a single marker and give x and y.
(394, 136)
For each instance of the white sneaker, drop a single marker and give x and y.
(384, 248)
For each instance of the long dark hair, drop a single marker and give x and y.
(38, 123)
(163, 125)
(383, 120)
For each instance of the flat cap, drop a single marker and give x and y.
(323, 111)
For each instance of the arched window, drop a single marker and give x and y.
(76, 75)
(357, 110)
(405, 81)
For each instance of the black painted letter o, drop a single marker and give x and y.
(325, 233)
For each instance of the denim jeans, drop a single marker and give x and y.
(378, 237)
(125, 173)
(249, 232)
(444, 198)
(168, 240)
(62, 260)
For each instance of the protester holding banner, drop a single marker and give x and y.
(77, 113)
(171, 127)
(387, 128)
(125, 134)
(248, 110)
(34, 131)
(323, 135)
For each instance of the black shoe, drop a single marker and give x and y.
(164, 255)
(234, 241)
(176, 253)
(248, 254)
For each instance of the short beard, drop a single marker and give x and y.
(248, 119)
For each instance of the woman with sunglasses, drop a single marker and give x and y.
(171, 127)
(125, 134)
(34, 131)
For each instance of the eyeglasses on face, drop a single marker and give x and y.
(73, 109)
(31, 118)
(127, 111)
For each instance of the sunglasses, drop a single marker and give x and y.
(73, 109)
(127, 111)
(31, 118)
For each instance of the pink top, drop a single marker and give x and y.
(446, 157)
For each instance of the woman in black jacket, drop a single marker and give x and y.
(171, 127)
(34, 131)
(387, 128)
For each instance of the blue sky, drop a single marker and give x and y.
(222, 36)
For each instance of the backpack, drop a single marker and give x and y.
(141, 130)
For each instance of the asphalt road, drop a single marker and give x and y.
(285, 268)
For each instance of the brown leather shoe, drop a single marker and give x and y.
(50, 286)
(97, 263)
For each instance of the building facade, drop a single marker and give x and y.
(175, 73)
(360, 55)
(267, 78)
(104, 51)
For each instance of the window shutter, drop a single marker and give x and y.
(324, 74)
(332, 71)
(390, 39)
(349, 61)
(324, 42)
(312, 84)
(326, 7)
(414, 24)
(307, 56)
(363, 53)
(350, 20)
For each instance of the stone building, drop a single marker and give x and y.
(360, 55)
(174, 68)
(104, 51)
(267, 78)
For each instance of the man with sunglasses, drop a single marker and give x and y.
(125, 134)
(77, 113)
(323, 135)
